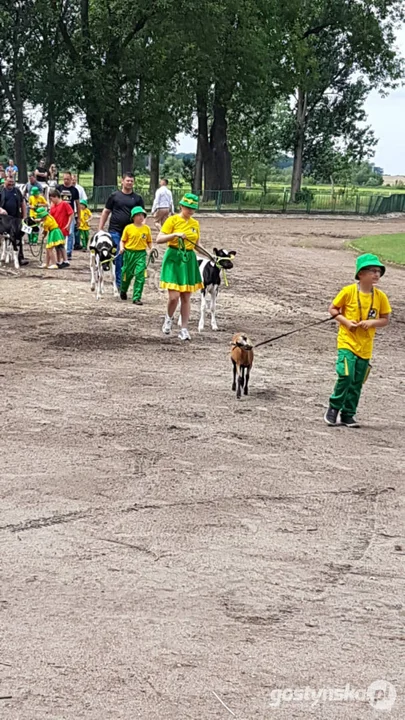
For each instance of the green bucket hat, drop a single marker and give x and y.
(34, 191)
(137, 211)
(190, 201)
(84, 202)
(41, 213)
(368, 260)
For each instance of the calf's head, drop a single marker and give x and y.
(224, 258)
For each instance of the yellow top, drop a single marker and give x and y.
(177, 224)
(372, 306)
(85, 216)
(136, 238)
(36, 201)
(49, 224)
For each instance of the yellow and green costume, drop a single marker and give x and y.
(135, 239)
(55, 236)
(180, 269)
(355, 347)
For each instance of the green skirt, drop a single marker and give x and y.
(178, 274)
(55, 238)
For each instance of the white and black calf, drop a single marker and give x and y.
(211, 276)
(102, 254)
(10, 231)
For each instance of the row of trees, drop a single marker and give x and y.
(257, 77)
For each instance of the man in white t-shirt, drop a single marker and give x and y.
(163, 204)
(79, 188)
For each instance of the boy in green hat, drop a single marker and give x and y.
(134, 241)
(359, 309)
(84, 226)
(35, 201)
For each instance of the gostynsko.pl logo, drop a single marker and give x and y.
(380, 694)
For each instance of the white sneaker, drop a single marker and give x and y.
(52, 267)
(167, 325)
(184, 334)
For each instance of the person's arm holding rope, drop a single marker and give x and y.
(337, 315)
(164, 238)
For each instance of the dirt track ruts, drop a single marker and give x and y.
(161, 542)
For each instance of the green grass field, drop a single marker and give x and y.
(142, 181)
(389, 248)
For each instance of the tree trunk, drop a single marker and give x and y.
(105, 159)
(300, 124)
(127, 156)
(219, 175)
(50, 138)
(202, 141)
(20, 157)
(154, 171)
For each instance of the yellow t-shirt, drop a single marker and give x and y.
(136, 238)
(85, 216)
(36, 201)
(177, 224)
(372, 306)
(49, 224)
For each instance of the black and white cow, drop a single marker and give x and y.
(102, 254)
(211, 276)
(10, 229)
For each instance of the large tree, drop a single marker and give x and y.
(329, 44)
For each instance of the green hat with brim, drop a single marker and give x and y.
(84, 202)
(189, 201)
(34, 191)
(41, 213)
(138, 210)
(368, 260)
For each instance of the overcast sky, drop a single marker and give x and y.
(385, 115)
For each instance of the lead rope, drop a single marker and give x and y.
(291, 332)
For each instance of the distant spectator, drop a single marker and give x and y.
(33, 182)
(11, 170)
(70, 194)
(53, 174)
(163, 204)
(80, 188)
(41, 172)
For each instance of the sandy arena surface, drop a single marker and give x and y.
(167, 551)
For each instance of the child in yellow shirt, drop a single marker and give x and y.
(54, 236)
(359, 309)
(84, 227)
(134, 241)
(35, 201)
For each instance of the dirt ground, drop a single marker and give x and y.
(170, 553)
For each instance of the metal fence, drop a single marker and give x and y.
(272, 201)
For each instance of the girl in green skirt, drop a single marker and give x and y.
(180, 274)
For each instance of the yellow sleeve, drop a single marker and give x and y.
(341, 298)
(385, 307)
(88, 215)
(31, 202)
(41, 200)
(124, 236)
(168, 225)
(149, 238)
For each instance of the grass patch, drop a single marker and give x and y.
(390, 248)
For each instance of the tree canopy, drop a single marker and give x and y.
(253, 79)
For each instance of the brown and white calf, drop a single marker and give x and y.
(242, 360)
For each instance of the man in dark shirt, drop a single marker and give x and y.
(12, 201)
(70, 194)
(118, 208)
(41, 172)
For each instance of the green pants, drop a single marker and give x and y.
(84, 238)
(352, 371)
(134, 266)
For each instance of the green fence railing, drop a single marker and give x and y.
(272, 201)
